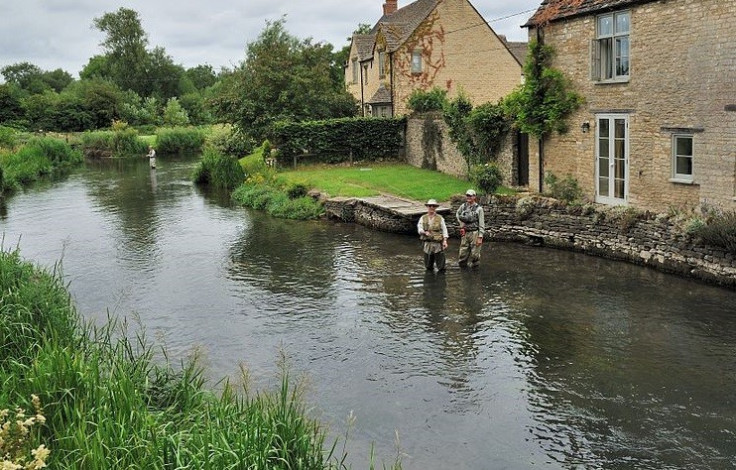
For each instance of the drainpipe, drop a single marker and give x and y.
(362, 96)
(391, 79)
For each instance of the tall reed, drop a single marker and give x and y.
(110, 403)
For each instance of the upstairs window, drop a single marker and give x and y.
(610, 49)
(355, 70)
(682, 158)
(416, 61)
(381, 64)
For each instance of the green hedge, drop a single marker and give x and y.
(333, 140)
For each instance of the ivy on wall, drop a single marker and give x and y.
(542, 104)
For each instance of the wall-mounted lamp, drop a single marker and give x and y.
(585, 127)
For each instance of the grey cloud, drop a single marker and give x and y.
(59, 33)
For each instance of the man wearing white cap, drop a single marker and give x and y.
(433, 232)
(472, 226)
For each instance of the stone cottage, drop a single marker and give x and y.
(658, 128)
(426, 44)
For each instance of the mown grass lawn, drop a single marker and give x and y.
(372, 180)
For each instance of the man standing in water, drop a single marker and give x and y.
(472, 228)
(151, 157)
(433, 232)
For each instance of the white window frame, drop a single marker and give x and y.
(682, 177)
(416, 61)
(611, 49)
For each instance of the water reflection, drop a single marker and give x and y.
(539, 358)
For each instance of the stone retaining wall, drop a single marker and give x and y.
(616, 233)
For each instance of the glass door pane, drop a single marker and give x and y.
(620, 159)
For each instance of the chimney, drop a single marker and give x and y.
(390, 6)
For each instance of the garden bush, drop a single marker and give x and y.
(421, 101)
(718, 230)
(487, 177)
(566, 189)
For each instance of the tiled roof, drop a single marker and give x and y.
(519, 49)
(554, 10)
(364, 45)
(382, 96)
(399, 25)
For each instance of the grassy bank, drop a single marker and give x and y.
(38, 158)
(109, 405)
(398, 179)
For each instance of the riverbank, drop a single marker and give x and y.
(658, 241)
(110, 403)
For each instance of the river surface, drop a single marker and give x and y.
(538, 359)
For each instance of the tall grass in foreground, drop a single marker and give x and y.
(39, 158)
(109, 405)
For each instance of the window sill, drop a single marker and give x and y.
(682, 181)
(617, 81)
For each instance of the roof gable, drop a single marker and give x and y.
(554, 10)
(398, 26)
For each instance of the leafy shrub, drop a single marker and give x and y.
(296, 190)
(230, 141)
(421, 101)
(277, 203)
(719, 230)
(179, 140)
(487, 177)
(218, 171)
(567, 189)
(302, 208)
(8, 137)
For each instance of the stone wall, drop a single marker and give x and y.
(616, 233)
(428, 145)
(682, 80)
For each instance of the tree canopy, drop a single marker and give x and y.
(283, 78)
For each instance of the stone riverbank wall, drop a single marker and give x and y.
(618, 233)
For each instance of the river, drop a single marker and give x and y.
(538, 359)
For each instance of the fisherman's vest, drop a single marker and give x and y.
(468, 215)
(434, 229)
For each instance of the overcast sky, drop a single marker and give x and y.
(59, 33)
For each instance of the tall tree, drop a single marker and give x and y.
(282, 78)
(125, 48)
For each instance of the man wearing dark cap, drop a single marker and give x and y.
(472, 228)
(433, 232)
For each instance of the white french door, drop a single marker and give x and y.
(612, 159)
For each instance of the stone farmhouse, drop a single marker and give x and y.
(658, 128)
(426, 44)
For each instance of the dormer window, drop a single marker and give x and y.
(610, 50)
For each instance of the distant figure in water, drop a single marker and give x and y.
(151, 157)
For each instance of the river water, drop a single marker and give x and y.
(538, 359)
